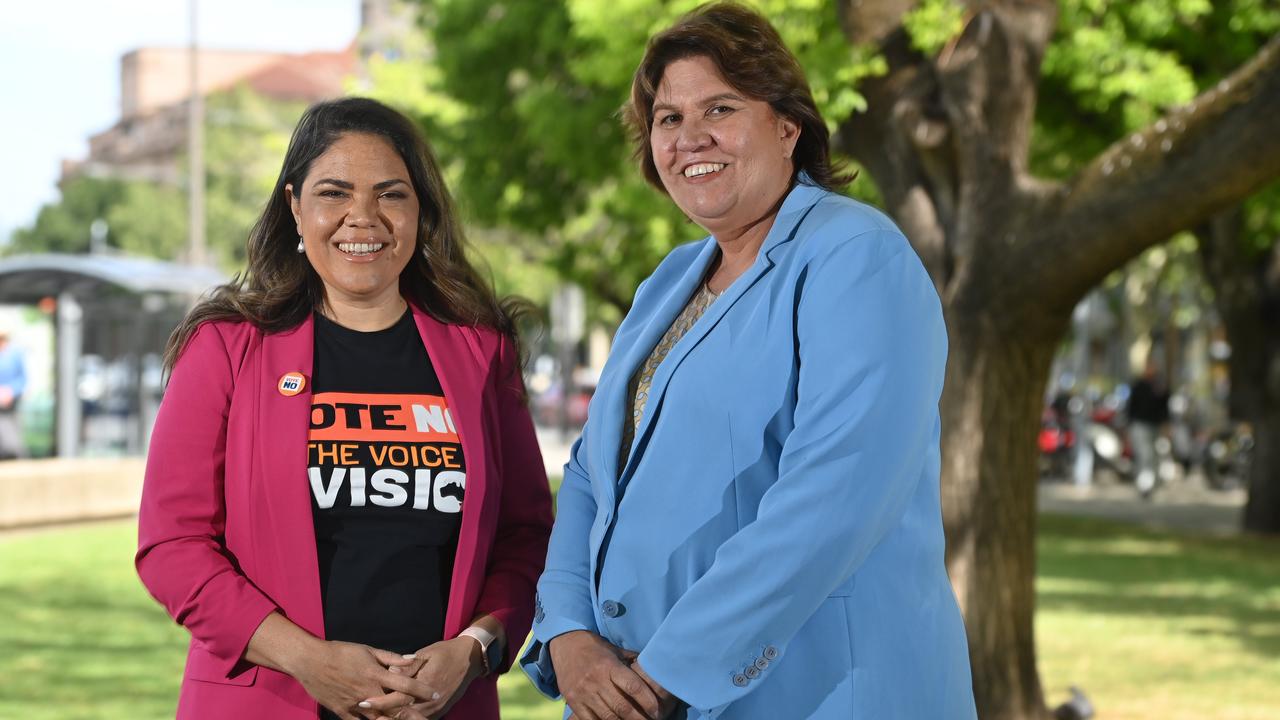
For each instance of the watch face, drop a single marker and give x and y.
(493, 656)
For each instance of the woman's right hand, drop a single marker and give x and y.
(596, 680)
(339, 675)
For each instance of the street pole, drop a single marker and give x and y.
(195, 153)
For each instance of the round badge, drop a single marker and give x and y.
(291, 384)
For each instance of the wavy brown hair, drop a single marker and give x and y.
(750, 55)
(279, 288)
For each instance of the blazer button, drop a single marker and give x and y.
(612, 609)
(761, 663)
(740, 680)
(752, 672)
(771, 653)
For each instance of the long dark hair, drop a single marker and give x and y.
(279, 289)
(751, 56)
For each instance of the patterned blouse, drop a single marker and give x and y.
(638, 388)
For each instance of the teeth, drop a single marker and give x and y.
(702, 169)
(360, 248)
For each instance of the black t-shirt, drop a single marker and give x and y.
(386, 473)
(1148, 403)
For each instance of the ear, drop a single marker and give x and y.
(295, 206)
(788, 135)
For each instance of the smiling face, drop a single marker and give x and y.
(357, 214)
(725, 159)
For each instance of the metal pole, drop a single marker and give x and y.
(195, 153)
(67, 402)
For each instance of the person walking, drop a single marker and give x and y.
(13, 382)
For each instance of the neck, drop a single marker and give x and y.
(364, 316)
(740, 246)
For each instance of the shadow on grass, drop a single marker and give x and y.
(1098, 567)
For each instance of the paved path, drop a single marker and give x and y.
(555, 448)
(1185, 505)
(1182, 506)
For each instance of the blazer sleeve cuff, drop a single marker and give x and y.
(536, 660)
(699, 688)
(229, 649)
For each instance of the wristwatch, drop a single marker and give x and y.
(490, 648)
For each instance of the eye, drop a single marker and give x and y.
(394, 195)
(668, 120)
(332, 193)
(719, 110)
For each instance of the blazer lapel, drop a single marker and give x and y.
(799, 202)
(609, 441)
(463, 380)
(283, 425)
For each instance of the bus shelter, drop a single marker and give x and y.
(112, 316)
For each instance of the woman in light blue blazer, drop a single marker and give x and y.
(750, 525)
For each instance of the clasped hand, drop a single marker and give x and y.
(601, 681)
(359, 682)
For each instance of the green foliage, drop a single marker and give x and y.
(524, 108)
(522, 99)
(1114, 67)
(933, 23)
(246, 136)
(63, 226)
(149, 219)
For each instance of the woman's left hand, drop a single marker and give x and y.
(447, 667)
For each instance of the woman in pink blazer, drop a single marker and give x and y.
(344, 501)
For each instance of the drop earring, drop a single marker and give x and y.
(301, 248)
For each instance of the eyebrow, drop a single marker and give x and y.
(351, 186)
(703, 103)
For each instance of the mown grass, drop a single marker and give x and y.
(1157, 626)
(1154, 626)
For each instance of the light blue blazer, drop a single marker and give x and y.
(773, 545)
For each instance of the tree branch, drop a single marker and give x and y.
(1197, 161)
(886, 139)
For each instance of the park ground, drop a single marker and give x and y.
(1165, 623)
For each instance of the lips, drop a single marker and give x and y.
(702, 169)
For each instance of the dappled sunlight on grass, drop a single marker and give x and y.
(1159, 626)
(80, 639)
(1153, 626)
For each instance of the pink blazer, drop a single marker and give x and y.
(225, 530)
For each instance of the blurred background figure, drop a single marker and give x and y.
(1148, 413)
(13, 380)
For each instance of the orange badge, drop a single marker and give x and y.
(291, 384)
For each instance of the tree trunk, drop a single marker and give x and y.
(1246, 284)
(946, 139)
(990, 412)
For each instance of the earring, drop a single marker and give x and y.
(301, 248)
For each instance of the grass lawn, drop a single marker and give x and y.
(1153, 626)
(1156, 626)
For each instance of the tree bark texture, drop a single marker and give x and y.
(1246, 284)
(946, 140)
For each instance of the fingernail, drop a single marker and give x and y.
(409, 657)
(435, 696)
(364, 704)
(394, 668)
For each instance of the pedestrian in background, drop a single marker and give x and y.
(1148, 413)
(13, 382)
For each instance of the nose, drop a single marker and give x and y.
(363, 212)
(692, 136)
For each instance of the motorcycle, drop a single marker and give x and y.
(1227, 456)
(1057, 444)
